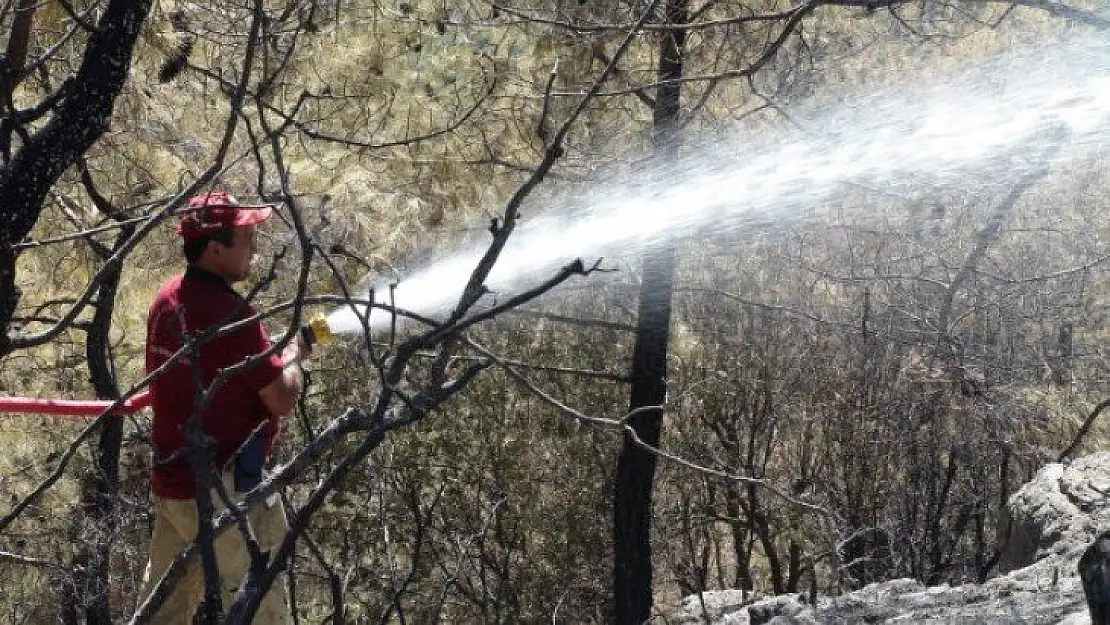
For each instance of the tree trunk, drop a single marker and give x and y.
(741, 540)
(101, 488)
(9, 295)
(1094, 570)
(76, 123)
(632, 570)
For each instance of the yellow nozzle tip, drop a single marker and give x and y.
(320, 330)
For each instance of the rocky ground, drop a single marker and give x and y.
(1053, 519)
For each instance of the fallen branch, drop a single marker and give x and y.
(1086, 427)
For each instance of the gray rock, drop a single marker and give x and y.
(771, 610)
(1051, 521)
(711, 606)
(1061, 508)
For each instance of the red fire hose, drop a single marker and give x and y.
(72, 407)
(315, 331)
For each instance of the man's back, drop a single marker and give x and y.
(185, 305)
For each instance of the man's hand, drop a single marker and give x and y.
(296, 351)
(280, 394)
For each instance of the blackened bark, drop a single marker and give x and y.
(1094, 570)
(9, 295)
(100, 494)
(20, 37)
(78, 120)
(762, 526)
(632, 501)
(632, 498)
(794, 567)
(12, 71)
(741, 542)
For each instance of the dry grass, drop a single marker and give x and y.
(399, 206)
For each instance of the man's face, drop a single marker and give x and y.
(233, 262)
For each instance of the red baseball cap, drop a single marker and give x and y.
(218, 209)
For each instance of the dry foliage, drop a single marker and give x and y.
(830, 380)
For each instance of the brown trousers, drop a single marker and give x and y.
(175, 527)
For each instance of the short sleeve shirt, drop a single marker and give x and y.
(185, 305)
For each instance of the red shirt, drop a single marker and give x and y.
(186, 304)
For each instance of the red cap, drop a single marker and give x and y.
(218, 209)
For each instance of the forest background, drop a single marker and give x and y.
(796, 405)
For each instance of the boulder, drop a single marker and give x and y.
(1051, 522)
(1060, 509)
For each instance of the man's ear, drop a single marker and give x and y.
(211, 249)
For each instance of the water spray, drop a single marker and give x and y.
(1015, 114)
(987, 126)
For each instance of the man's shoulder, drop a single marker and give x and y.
(169, 291)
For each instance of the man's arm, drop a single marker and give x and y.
(280, 395)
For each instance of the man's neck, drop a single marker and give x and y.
(201, 274)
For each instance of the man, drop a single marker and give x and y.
(242, 417)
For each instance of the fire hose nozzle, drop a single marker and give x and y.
(317, 331)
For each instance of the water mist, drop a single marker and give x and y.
(1005, 116)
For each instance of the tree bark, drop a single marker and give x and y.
(100, 493)
(1094, 570)
(79, 118)
(632, 499)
